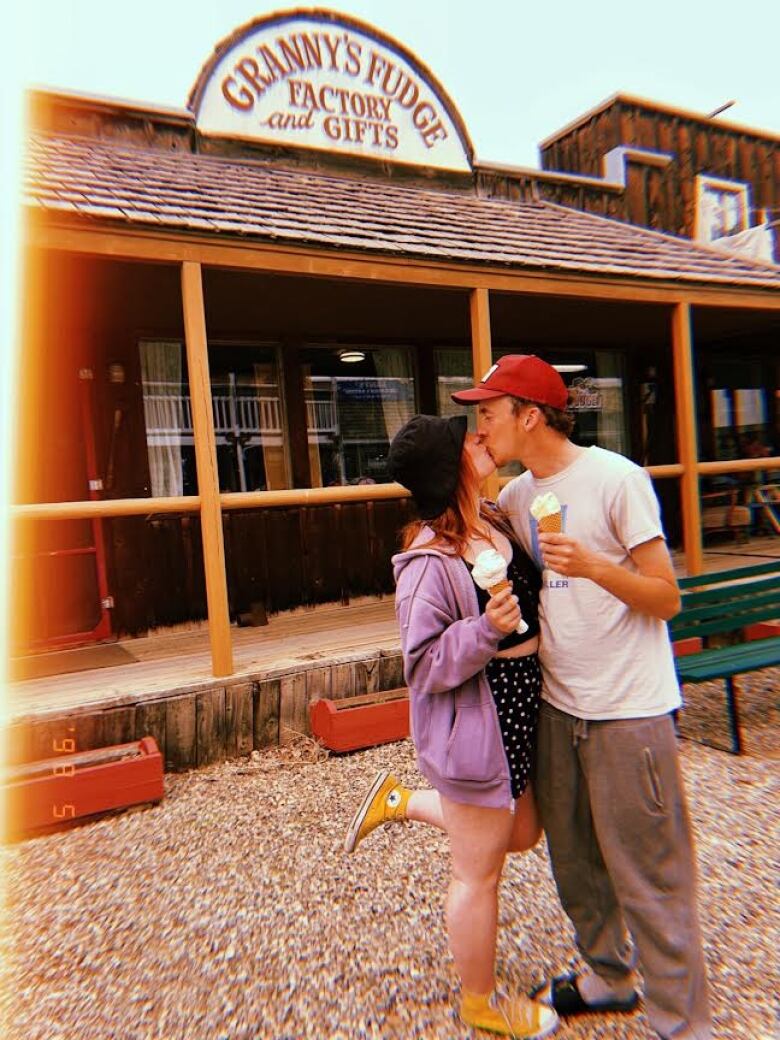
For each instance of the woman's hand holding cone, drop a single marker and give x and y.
(502, 610)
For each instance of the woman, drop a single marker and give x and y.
(474, 685)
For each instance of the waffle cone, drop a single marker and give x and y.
(499, 587)
(551, 523)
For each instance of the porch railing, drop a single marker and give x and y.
(241, 410)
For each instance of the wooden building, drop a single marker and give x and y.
(231, 308)
(682, 172)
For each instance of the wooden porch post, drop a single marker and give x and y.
(482, 355)
(206, 466)
(687, 438)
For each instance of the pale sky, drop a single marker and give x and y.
(516, 70)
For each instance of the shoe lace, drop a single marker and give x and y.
(518, 1012)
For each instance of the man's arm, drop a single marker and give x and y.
(653, 590)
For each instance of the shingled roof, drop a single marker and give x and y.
(178, 191)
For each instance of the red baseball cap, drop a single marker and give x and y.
(521, 375)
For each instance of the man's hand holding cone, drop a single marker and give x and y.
(561, 554)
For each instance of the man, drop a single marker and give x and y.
(607, 778)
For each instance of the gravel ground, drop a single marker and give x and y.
(230, 910)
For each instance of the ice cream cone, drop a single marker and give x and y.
(488, 566)
(499, 587)
(551, 524)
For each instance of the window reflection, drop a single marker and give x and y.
(247, 412)
(453, 373)
(596, 395)
(248, 418)
(354, 408)
(723, 209)
(596, 384)
(168, 419)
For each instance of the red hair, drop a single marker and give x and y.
(459, 522)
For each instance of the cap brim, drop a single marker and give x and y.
(478, 393)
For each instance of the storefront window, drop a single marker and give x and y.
(453, 373)
(742, 403)
(596, 387)
(356, 401)
(740, 421)
(596, 384)
(247, 413)
(249, 421)
(168, 419)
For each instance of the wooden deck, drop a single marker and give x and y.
(180, 660)
(167, 688)
(177, 661)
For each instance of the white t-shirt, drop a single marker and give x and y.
(600, 658)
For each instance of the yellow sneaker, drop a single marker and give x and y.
(385, 803)
(517, 1017)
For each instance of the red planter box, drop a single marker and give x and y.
(762, 630)
(683, 647)
(361, 722)
(41, 795)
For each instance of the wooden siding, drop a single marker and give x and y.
(197, 727)
(664, 199)
(525, 186)
(276, 559)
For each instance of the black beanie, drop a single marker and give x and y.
(425, 457)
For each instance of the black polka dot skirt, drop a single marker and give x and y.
(516, 684)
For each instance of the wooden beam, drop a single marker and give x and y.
(687, 448)
(192, 503)
(255, 255)
(206, 465)
(107, 507)
(297, 421)
(739, 465)
(482, 356)
(663, 472)
(308, 496)
(311, 496)
(481, 346)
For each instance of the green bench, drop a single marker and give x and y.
(725, 604)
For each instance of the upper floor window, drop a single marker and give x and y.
(722, 208)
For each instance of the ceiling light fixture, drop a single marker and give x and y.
(570, 368)
(351, 357)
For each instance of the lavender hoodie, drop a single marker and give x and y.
(446, 644)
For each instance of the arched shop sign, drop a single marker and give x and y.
(317, 79)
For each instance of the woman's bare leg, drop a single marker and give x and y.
(526, 827)
(478, 843)
(425, 807)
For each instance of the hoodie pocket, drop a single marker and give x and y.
(473, 752)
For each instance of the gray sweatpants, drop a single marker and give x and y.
(613, 806)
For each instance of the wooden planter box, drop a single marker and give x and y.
(45, 794)
(684, 647)
(361, 722)
(762, 630)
